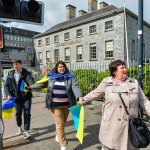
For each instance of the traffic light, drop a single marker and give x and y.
(30, 11)
(10, 9)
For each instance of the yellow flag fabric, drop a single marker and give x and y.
(80, 131)
(8, 113)
(43, 80)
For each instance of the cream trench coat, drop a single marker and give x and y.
(114, 124)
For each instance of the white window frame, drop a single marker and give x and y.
(56, 55)
(39, 43)
(79, 53)
(92, 29)
(67, 54)
(47, 41)
(6, 55)
(109, 25)
(66, 36)
(93, 51)
(47, 55)
(109, 49)
(40, 56)
(56, 39)
(79, 33)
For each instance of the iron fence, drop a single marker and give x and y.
(89, 75)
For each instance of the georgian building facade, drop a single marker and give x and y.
(96, 36)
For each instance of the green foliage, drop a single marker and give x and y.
(88, 79)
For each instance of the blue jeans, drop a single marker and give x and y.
(26, 108)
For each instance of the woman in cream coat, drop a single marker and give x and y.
(114, 124)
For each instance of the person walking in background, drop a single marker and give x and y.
(23, 99)
(63, 92)
(114, 124)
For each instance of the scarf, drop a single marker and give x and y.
(53, 75)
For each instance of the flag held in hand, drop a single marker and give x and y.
(8, 108)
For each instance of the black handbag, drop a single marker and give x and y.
(138, 130)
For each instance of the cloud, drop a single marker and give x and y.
(55, 12)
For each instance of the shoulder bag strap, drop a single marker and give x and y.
(123, 103)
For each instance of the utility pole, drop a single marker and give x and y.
(1, 122)
(126, 33)
(140, 43)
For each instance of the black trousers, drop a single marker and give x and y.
(24, 107)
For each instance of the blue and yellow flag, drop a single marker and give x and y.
(3, 81)
(8, 108)
(78, 118)
(42, 81)
(23, 86)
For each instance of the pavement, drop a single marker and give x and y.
(43, 130)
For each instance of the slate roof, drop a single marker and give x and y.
(81, 20)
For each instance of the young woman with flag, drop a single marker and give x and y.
(62, 93)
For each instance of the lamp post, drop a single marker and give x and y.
(1, 122)
(126, 35)
(140, 42)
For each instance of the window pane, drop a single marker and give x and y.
(47, 41)
(133, 50)
(47, 55)
(39, 42)
(56, 39)
(79, 52)
(56, 55)
(93, 53)
(40, 56)
(109, 49)
(67, 54)
(108, 25)
(92, 29)
(66, 36)
(79, 32)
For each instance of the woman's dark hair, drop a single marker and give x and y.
(114, 65)
(57, 64)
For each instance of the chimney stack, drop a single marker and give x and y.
(92, 5)
(70, 12)
(82, 12)
(102, 5)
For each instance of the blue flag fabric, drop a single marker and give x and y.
(10, 103)
(22, 86)
(75, 110)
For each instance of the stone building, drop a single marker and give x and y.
(18, 43)
(98, 35)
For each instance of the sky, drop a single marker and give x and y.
(55, 12)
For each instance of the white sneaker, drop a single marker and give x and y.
(63, 148)
(26, 135)
(56, 138)
(19, 131)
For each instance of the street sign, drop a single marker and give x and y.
(1, 37)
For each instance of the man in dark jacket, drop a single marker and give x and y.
(23, 99)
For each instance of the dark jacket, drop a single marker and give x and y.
(13, 90)
(73, 91)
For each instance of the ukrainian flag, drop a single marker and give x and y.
(42, 81)
(23, 86)
(3, 82)
(8, 108)
(78, 118)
